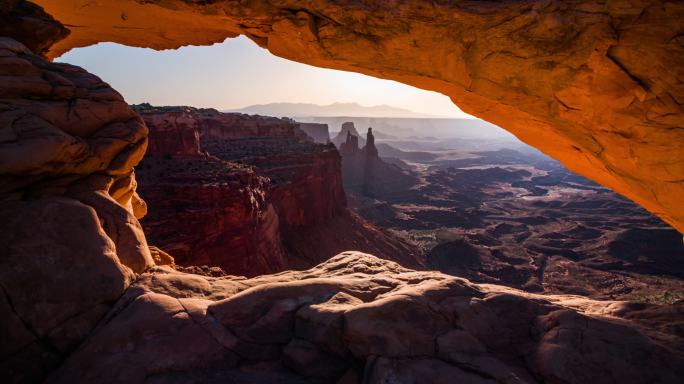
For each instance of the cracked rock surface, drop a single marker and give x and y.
(359, 319)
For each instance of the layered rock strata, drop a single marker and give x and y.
(248, 194)
(28, 23)
(318, 132)
(205, 211)
(596, 85)
(72, 245)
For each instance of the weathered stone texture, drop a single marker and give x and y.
(594, 84)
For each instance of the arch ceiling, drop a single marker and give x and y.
(597, 85)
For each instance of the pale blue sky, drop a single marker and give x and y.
(238, 73)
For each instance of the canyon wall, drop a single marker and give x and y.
(306, 190)
(247, 193)
(596, 85)
(175, 134)
(318, 132)
(205, 211)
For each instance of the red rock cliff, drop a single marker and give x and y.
(205, 211)
(176, 133)
(317, 131)
(210, 210)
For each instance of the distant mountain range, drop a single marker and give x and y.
(335, 109)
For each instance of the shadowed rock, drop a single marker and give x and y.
(248, 194)
(70, 241)
(357, 316)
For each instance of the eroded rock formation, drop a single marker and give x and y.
(70, 243)
(249, 194)
(348, 129)
(596, 85)
(357, 318)
(364, 173)
(28, 23)
(318, 132)
(175, 133)
(205, 211)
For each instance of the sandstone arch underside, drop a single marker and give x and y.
(597, 85)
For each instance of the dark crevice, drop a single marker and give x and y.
(16, 314)
(640, 82)
(564, 104)
(37, 338)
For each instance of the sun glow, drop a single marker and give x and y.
(238, 73)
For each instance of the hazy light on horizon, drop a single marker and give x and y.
(238, 73)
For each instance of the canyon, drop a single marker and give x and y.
(511, 215)
(84, 297)
(594, 85)
(249, 194)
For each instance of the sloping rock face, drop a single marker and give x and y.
(250, 195)
(175, 133)
(360, 319)
(206, 211)
(70, 242)
(318, 132)
(596, 85)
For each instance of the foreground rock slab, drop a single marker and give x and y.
(359, 319)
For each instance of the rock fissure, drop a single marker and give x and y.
(26, 325)
(645, 87)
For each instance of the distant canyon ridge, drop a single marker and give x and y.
(296, 110)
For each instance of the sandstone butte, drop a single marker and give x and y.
(83, 298)
(249, 194)
(594, 84)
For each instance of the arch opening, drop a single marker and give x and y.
(458, 195)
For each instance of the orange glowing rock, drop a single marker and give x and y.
(596, 86)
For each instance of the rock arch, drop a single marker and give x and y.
(596, 85)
